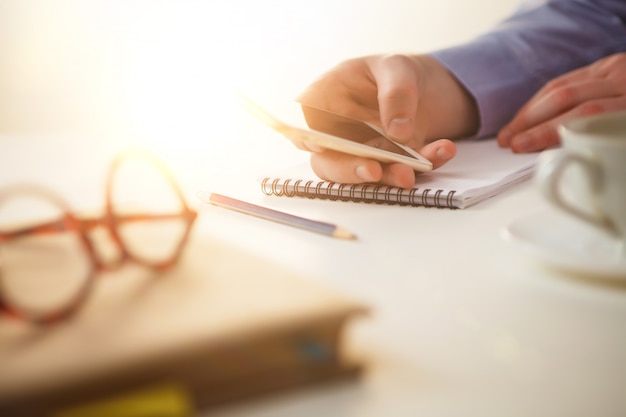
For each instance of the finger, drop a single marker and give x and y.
(439, 152)
(572, 77)
(555, 102)
(538, 138)
(397, 83)
(517, 124)
(398, 175)
(546, 134)
(562, 99)
(600, 69)
(344, 168)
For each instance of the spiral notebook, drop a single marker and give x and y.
(480, 170)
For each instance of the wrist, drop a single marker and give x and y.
(449, 108)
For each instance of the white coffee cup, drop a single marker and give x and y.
(586, 177)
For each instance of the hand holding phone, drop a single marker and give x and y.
(324, 140)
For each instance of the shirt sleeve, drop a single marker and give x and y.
(503, 68)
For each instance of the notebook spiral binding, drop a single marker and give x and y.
(360, 193)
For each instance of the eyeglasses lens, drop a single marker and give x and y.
(150, 212)
(40, 272)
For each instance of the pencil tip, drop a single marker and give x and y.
(342, 233)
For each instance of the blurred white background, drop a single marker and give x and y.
(155, 67)
(160, 74)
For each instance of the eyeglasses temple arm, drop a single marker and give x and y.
(149, 217)
(54, 226)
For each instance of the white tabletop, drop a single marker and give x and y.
(462, 323)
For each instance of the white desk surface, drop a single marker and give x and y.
(462, 325)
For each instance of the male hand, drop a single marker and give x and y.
(414, 100)
(596, 88)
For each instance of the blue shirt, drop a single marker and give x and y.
(503, 68)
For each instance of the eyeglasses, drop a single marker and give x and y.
(50, 257)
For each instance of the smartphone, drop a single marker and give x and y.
(324, 140)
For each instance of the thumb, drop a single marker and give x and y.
(397, 83)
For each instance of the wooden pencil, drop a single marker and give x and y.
(266, 213)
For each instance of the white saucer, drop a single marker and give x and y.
(562, 241)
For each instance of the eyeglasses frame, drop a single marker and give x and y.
(69, 222)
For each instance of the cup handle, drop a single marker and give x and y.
(549, 173)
